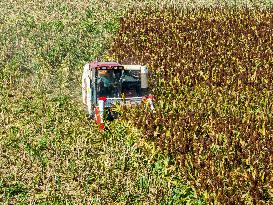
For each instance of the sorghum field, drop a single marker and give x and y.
(210, 140)
(212, 71)
(50, 153)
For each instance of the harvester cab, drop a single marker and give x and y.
(106, 83)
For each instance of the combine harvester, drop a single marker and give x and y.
(106, 83)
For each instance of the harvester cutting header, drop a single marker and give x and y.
(106, 83)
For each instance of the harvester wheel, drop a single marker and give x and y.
(91, 115)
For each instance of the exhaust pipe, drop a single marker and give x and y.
(144, 79)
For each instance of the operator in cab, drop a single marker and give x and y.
(108, 83)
